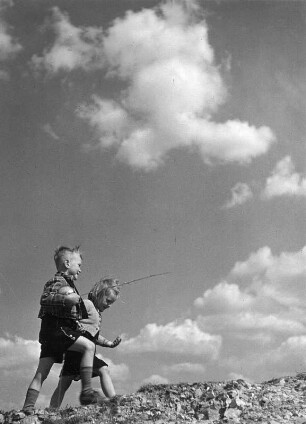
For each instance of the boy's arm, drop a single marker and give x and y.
(102, 341)
(59, 293)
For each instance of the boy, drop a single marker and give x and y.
(101, 297)
(60, 312)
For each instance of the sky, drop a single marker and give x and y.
(161, 137)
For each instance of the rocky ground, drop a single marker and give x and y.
(279, 401)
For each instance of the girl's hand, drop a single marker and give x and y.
(116, 342)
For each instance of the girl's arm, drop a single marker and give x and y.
(102, 341)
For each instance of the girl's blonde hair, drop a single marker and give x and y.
(103, 287)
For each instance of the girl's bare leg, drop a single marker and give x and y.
(59, 393)
(106, 383)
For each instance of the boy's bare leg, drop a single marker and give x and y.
(106, 383)
(42, 372)
(58, 395)
(87, 348)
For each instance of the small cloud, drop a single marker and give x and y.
(224, 297)
(155, 379)
(9, 46)
(119, 372)
(284, 181)
(185, 367)
(73, 47)
(241, 193)
(49, 130)
(16, 350)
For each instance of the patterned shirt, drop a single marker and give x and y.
(53, 303)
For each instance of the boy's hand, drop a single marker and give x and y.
(116, 342)
(66, 290)
(71, 299)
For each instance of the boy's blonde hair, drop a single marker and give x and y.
(60, 254)
(103, 287)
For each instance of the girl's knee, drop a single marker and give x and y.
(104, 372)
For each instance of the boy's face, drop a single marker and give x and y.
(73, 264)
(107, 300)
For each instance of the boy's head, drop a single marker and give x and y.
(104, 293)
(68, 260)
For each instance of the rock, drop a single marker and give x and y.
(31, 419)
(278, 401)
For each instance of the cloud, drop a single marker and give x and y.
(9, 46)
(241, 193)
(262, 282)
(172, 86)
(47, 128)
(73, 47)
(224, 297)
(184, 338)
(155, 379)
(185, 367)
(119, 372)
(16, 352)
(284, 181)
(259, 311)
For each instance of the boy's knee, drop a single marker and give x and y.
(87, 345)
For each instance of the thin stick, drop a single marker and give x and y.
(139, 279)
(135, 281)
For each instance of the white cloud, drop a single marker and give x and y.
(118, 372)
(185, 367)
(173, 86)
(184, 338)
(224, 297)
(284, 181)
(47, 128)
(259, 310)
(9, 46)
(16, 351)
(155, 379)
(240, 194)
(73, 47)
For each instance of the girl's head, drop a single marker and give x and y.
(104, 293)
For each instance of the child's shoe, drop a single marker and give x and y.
(28, 410)
(90, 397)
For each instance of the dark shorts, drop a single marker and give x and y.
(56, 336)
(72, 363)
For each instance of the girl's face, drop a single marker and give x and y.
(107, 300)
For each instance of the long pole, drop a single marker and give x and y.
(140, 279)
(136, 280)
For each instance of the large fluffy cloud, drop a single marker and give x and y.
(172, 87)
(184, 338)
